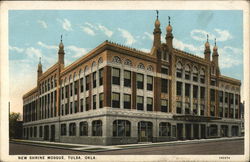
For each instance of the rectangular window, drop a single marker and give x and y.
(195, 77)
(62, 111)
(226, 112)
(41, 131)
(213, 82)
(101, 100)
(87, 103)
(127, 101)
(221, 111)
(202, 92)
(231, 98)
(127, 78)
(164, 71)
(94, 79)
(149, 104)
(71, 107)
(164, 85)
(164, 105)
(62, 90)
(187, 90)
(66, 109)
(67, 91)
(115, 76)
(76, 106)
(226, 97)
(139, 102)
(179, 73)
(81, 84)
(82, 105)
(149, 83)
(100, 77)
(178, 107)
(87, 79)
(115, 100)
(187, 75)
(195, 107)
(212, 110)
(187, 108)
(195, 91)
(202, 109)
(139, 81)
(35, 131)
(76, 87)
(236, 99)
(212, 95)
(202, 79)
(94, 102)
(179, 88)
(220, 96)
(71, 89)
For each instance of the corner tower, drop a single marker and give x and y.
(61, 53)
(39, 69)
(207, 51)
(169, 35)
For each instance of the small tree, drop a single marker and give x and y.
(13, 119)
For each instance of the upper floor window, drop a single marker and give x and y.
(164, 85)
(187, 90)
(202, 76)
(87, 79)
(150, 68)
(195, 74)
(139, 102)
(179, 89)
(141, 66)
(139, 81)
(115, 76)
(94, 101)
(128, 62)
(127, 101)
(127, 78)
(220, 96)
(100, 77)
(212, 94)
(149, 104)
(164, 70)
(187, 72)
(149, 83)
(213, 82)
(115, 100)
(101, 100)
(164, 105)
(202, 92)
(195, 91)
(212, 110)
(179, 70)
(76, 87)
(116, 59)
(94, 79)
(81, 84)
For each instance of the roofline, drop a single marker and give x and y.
(30, 92)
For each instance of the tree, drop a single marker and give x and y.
(14, 119)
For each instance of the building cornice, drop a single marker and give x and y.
(29, 93)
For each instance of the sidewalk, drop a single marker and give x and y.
(98, 148)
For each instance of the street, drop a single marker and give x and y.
(232, 147)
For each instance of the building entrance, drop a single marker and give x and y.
(196, 131)
(203, 131)
(145, 131)
(46, 132)
(179, 131)
(52, 133)
(188, 131)
(224, 131)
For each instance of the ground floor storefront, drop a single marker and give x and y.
(122, 129)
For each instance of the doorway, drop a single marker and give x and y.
(46, 132)
(52, 133)
(145, 131)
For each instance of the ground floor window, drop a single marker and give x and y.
(145, 131)
(235, 130)
(84, 128)
(41, 131)
(213, 131)
(164, 129)
(72, 129)
(121, 128)
(224, 131)
(35, 131)
(97, 128)
(63, 129)
(31, 131)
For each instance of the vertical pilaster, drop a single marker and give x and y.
(133, 86)
(191, 98)
(183, 98)
(107, 86)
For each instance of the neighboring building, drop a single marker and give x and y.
(242, 114)
(118, 95)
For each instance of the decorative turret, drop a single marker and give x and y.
(39, 69)
(61, 52)
(215, 54)
(157, 32)
(169, 35)
(207, 51)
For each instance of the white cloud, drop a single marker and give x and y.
(46, 46)
(88, 30)
(128, 36)
(185, 46)
(220, 35)
(106, 31)
(66, 24)
(91, 25)
(33, 52)
(150, 36)
(229, 56)
(42, 23)
(17, 49)
(76, 51)
(145, 50)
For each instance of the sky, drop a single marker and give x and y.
(36, 33)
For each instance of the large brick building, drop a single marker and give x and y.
(117, 95)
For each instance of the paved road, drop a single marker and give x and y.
(235, 147)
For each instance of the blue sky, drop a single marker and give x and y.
(36, 33)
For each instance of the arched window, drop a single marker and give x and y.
(164, 129)
(121, 128)
(100, 60)
(179, 70)
(195, 74)
(83, 128)
(202, 76)
(72, 129)
(187, 72)
(52, 85)
(150, 68)
(116, 59)
(97, 128)
(93, 65)
(140, 66)
(128, 62)
(86, 69)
